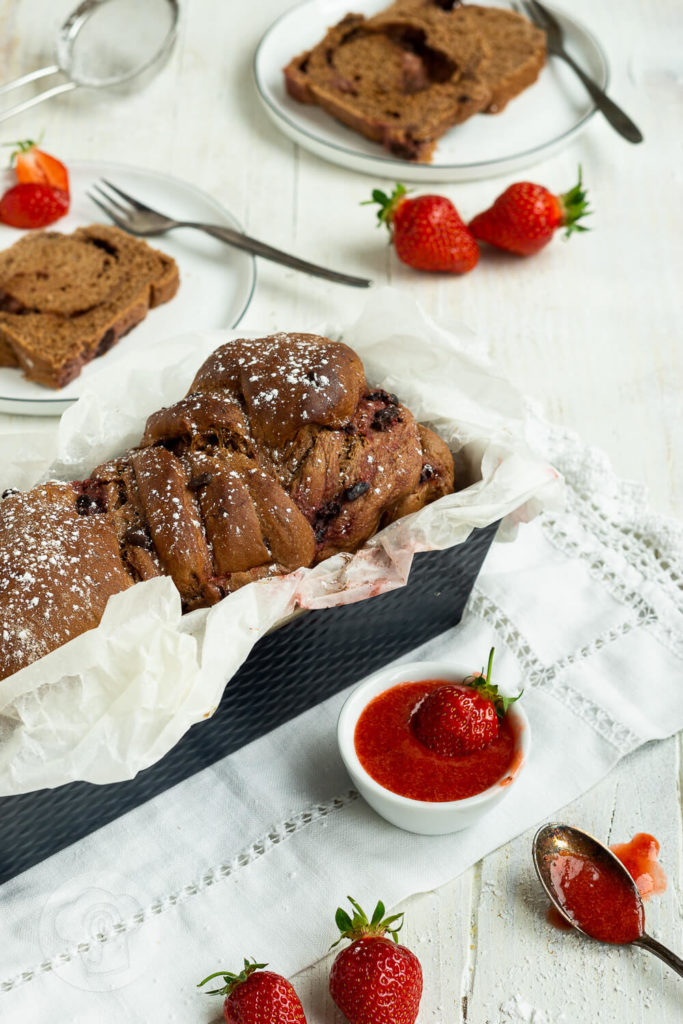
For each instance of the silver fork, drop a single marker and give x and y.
(546, 21)
(139, 219)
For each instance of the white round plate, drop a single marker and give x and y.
(216, 280)
(539, 121)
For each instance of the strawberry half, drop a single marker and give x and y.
(30, 205)
(256, 996)
(524, 218)
(33, 165)
(428, 232)
(375, 980)
(459, 718)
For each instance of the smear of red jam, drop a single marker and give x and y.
(389, 751)
(640, 858)
(555, 918)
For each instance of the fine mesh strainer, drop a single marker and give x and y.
(105, 44)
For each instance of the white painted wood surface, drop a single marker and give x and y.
(591, 329)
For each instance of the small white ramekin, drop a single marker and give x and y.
(423, 816)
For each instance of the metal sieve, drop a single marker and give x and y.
(105, 44)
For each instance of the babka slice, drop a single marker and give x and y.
(66, 299)
(407, 75)
(393, 81)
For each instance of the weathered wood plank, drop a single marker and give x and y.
(590, 329)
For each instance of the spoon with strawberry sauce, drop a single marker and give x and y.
(593, 891)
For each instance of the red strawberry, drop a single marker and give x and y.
(374, 980)
(255, 996)
(458, 718)
(525, 217)
(34, 165)
(33, 206)
(428, 232)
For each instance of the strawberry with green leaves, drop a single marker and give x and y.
(459, 718)
(526, 216)
(428, 232)
(257, 996)
(374, 980)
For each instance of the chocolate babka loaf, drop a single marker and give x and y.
(280, 456)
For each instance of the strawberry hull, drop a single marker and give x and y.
(289, 671)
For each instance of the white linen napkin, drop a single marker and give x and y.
(252, 856)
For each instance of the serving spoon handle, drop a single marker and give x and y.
(669, 958)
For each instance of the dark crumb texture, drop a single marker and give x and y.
(407, 75)
(67, 299)
(279, 457)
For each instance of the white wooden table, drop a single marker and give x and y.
(589, 328)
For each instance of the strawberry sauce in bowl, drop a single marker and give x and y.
(410, 785)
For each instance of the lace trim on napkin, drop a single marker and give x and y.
(607, 514)
(259, 848)
(537, 675)
(615, 510)
(604, 517)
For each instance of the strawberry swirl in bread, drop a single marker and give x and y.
(280, 456)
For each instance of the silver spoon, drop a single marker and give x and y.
(555, 840)
(105, 44)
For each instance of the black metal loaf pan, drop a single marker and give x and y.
(305, 662)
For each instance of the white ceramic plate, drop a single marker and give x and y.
(216, 280)
(536, 123)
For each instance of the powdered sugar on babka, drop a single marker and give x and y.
(58, 568)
